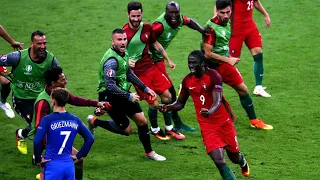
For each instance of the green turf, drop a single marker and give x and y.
(78, 33)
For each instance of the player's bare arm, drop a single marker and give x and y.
(161, 50)
(257, 4)
(194, 25)
(8, 38)
(217, 97)
(216, 57)
(179, 103)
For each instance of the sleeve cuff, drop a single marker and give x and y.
(130, 97)
(146, 90)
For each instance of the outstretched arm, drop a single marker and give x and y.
(135, 80)
(180, 102)
(7, 37)
(158, 47)
(194, 25)
(260, 8)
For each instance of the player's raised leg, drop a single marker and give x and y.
(238, 158)
(248, 106)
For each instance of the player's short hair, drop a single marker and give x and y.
(198, 54)
(221, 4)
(173, 3)
(39, 33)
(52, 75)
(118, 31)
(134, 6)
(61, 95)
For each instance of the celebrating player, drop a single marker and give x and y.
(114, 78)
(166, 27)
(28, 68)
(245, 30)
(216, 50)
(60, 129)
(213, 113)
(140, 36)
(5, 83)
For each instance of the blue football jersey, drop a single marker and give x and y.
(60, 130)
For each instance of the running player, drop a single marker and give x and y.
(214, 114)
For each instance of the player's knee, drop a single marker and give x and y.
(142, 122)
(241, 89)
(220, 162)
(128, 130)
(166, 97)
(256, 50)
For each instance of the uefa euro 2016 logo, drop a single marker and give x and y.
(28, 69)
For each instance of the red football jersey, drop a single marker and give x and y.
(145, 64)
(242, 11)
(201, 92)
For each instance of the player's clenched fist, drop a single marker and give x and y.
(162, 107)
(205, 112)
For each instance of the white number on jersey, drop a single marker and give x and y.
(67, 135)
(202, 99)
(250, 5)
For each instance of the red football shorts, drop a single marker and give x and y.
(161, 65)
(156, 81)
(220, 136)
(230, 74)
(250, 36)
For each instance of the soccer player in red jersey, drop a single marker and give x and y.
(215, 47)
(140, 37)
(245, 30)
(213, 112)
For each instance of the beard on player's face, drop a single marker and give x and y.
(135, 22)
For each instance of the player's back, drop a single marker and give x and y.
(242, 11)
(62, 130)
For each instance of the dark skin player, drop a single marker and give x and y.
(198, 70)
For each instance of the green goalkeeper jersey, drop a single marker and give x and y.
(121, 76)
